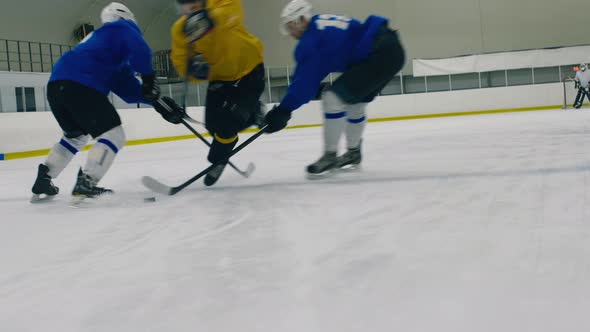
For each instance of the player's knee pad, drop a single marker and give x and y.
(227, 131)
(63, 152)
(114, 139)
(356, 113)
(72, 144)
(334, 107)
(103, 153)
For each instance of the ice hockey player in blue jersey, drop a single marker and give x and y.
(368, 54)
(106, 61)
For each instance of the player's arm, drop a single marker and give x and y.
(140, 54)
(304, 87)
(140, 61)
(217, 14)
(179, 51)
(306, 82)
(128, 87)
(198, 68)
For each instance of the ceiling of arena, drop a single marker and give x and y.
(54, 21)
(429, 28)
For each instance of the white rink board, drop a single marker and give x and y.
(34, 131)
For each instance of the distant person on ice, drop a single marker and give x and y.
(582, 80)
(105, 61)
(369, 54)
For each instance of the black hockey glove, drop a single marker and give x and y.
(149, 88)
(277, 119)
(169, 110)
(198, 68)
(197, 25)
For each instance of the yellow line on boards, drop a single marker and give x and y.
(26, 154)
(44, 152)
(442, 115)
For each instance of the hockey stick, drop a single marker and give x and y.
(249, 170)
(158, 187)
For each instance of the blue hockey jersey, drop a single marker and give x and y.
(329, 44)
(107, 60)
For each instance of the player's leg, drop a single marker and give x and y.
(249, 91)
(224, 138)
(334, 123)
(231, 108)
(100, 159)
(586, 93)
(577, 103)
(355, 126)
(63, 151)
(98, 117)
(361, 83)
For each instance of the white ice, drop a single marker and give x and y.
(455, 224)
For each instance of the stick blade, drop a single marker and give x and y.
(191, 120)
(156, 186)
(249, 170)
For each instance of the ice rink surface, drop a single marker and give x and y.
(455, 224)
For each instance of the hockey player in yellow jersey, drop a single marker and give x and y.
(210, 43)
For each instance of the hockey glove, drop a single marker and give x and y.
(197, 25)
(277, 119)
(149, 88)
(198, 68)
(169, 110)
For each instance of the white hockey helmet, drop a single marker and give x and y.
(116, 11)
(293, 13)
(583, 67)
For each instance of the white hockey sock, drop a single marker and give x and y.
(334, 120)
(333, 128)
(355, 126)
(63, 152)
(102, 154)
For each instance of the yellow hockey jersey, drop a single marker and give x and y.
(230, 50)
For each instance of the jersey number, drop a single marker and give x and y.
(333, 21)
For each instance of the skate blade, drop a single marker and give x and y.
(323, 175)
(85, 201)
(351, 168)
(42, 198)
(329, 173)
(211, 180)
(80, 201)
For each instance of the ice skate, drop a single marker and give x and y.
(324, 167)
(86, 188)
(351, 160)
(213, 176)
(43, 189)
